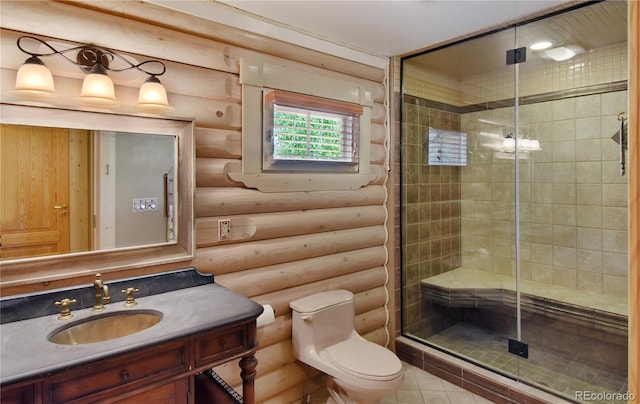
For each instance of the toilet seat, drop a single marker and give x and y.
(364, 359)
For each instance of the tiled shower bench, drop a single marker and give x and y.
(472, 288)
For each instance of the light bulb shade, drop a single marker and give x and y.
(153, 95)
(34, 77)
(98, 89)
(535, 145)
(508, 144)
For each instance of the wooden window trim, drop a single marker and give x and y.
(312, 102)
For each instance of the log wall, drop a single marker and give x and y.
(283, 246)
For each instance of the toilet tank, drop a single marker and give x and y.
(322, 319)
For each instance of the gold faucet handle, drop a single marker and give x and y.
(131, 301)
(65, 313)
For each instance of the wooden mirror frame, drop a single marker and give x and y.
(28, 274)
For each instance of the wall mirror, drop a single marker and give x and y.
(88, 191)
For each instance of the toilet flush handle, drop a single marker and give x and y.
(307, 318)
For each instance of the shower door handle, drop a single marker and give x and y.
(621, 118)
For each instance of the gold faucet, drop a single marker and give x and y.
(65, 314)
(102, 293)
(131, 301)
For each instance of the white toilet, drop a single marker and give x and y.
(324, 337)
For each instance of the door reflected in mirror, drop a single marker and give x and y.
(74, 190)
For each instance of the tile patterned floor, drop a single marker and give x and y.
(551, 370)
(421, 387)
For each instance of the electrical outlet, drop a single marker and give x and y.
(224, 229)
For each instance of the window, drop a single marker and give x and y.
(310, 133)
(446, 148)
(303, 129)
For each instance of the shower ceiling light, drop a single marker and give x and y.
(561, 53)
(541, 45)
(35, 80)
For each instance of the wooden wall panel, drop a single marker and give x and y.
(284, 246)
(302, 271)
(218, 143)
(236, 201)
(142, 11)
(263, 226)
(265, 253)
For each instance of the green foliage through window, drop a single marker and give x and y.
(303, 134)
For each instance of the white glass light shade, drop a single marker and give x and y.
(153, 95)
(98, 89)
(34, 77)
(535, 145)
(508, 143)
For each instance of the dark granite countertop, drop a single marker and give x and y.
(32, 305)
(26, 352)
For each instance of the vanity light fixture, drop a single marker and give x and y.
(35, 81)
(508, 143)
(524, 144)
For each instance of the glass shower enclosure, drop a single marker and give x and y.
(514, 201)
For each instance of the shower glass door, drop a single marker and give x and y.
(459, 215)
(573, 202)
(514, 257)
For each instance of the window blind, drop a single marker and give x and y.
(446, 148)
(306, 128)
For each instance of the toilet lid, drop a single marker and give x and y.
(365, 359)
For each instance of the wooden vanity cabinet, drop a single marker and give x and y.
(163, 373)
(20, 393)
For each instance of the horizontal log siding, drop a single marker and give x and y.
(284, 246)
(269, 225)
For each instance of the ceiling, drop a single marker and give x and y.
(370, 31)
(382, 28)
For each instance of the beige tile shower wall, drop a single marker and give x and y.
(537, 76)
(431, 202)
(573, 200)
(600, 65)
(433, 86)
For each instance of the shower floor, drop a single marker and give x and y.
(551, 371)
